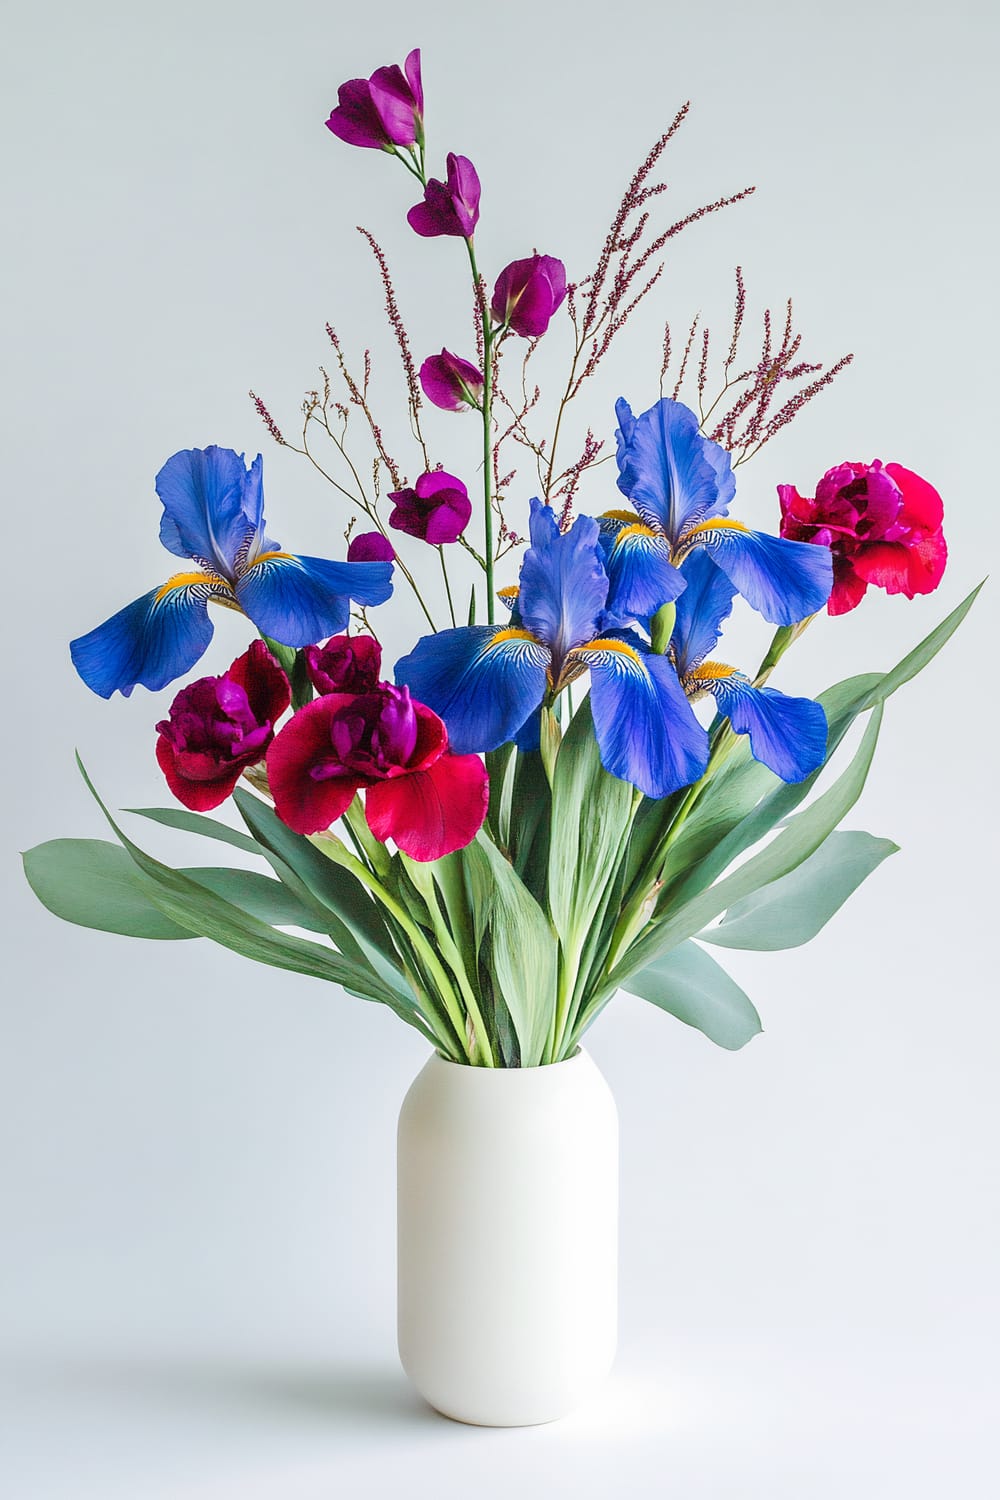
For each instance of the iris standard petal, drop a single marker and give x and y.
(645, 726)
(212, 506)
(787, 734)
(151, 641)
(784, 581)
(673, 476)
(300, 600)
(481, 680)
(564, 586)
(640, 574)
(705, 603)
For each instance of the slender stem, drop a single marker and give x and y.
(487, 413)
(447, 585)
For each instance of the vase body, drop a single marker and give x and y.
(507, 1238)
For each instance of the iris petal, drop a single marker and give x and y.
(151, 641)
(674, 477)
(482, 681)
(640, 572)
(212, 505)
(786, 734)
(645, 726)
(784, 581)
(705, 603)
(299, 600)
(564, 587)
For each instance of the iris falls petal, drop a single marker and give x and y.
(706, 602)
(787, 734)
(645, 726)
(299, 600)
(482, 681)
(640, 572)
(152, 640)
(784, 581)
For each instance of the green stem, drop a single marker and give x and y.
(447, 585)
(487, 413)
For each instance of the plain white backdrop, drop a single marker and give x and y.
(197, 1192)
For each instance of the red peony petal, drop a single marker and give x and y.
(893, 566)
(303, 804)
(432, 739)
(265, 684)
(922, 505)
(433, 812)
(198, 796)
(848, 589)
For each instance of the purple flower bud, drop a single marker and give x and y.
(450, 382)
(346, 664)
(436, 510)
(370, 546)
(450, 207)
(382, 111)
(528, 292)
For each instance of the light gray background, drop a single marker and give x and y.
(197, 1250)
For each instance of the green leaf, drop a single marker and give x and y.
(690, 985)
(515, 942)
(591, 813)
(789, 911)
(802, 835)
(95, 884)
(530, 823)
(260, 896)
(190, 822)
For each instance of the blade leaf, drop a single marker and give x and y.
(690, 985)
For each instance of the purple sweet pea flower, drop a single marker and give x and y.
(450, 382)
(370, 546)
(382, 111)
(450, 207)
(436, 510)
(528, 292)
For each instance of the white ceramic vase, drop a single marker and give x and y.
(508, 1238)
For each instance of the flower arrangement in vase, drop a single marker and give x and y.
(562, 790)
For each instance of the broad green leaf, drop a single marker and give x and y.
(591, 813)
(789, 911)
(191, 822)
(515, 943)
(95, 884)
(690, 985)
(204, 913)
(260, 896)
(530, 822)
(802, 835)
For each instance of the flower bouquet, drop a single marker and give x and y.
(563, 789)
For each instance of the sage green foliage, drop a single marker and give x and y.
(503, 953)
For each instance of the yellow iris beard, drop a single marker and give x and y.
(189, 580)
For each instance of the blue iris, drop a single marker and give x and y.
(213, 513)
(681, 485)
(487, 683)
(787, 734)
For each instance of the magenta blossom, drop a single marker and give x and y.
(528, 292)
(450, 207)
(416, 792)
(382, 111)
(220, 725)
(346, 664)
(450, 382)
(436, 510)
(882, 524)
(370, 546)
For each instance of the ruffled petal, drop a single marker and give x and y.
(640, 573)
(267, 688)
(705, 603)
(306, 803)
(152, 641)
(197, 796)
(431, 813)
(483, 681)
(922, 505)
(673, 475)
(645, 726)
(784, 581)
(212, 505)
(912, 567)
(787, 734)
(300, 600)
(564, 586)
